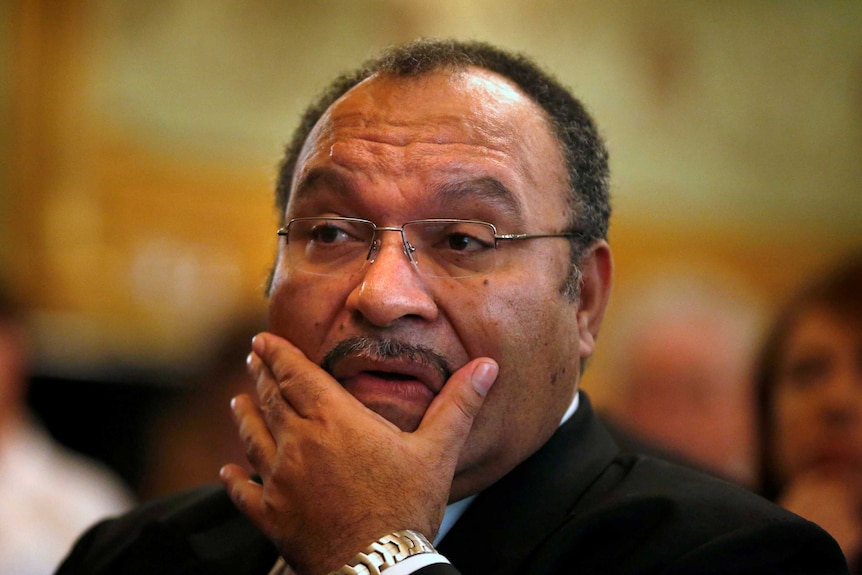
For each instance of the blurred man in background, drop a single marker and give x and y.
(679, 360)
(47, 493)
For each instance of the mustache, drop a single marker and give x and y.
(383, 349)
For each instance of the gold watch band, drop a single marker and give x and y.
(386, 552)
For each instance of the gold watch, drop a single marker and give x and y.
(386, 552)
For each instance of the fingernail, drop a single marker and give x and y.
(484, 376)
(257, 344)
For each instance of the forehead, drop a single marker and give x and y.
(439, 127)
(823, 323)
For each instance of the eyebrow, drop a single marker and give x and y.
(310, 180)
(485, 190)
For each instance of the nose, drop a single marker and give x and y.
(391, 287)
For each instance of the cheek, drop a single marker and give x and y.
(498, 321)
(534, 339)
(521, 315)
(306, 325)
(792, 432)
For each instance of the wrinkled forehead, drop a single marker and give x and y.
(477, 117)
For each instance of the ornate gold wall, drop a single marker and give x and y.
(144, 137)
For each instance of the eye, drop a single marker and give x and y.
(462, 242)
(809, 371)
(461, 237)
(334, 232)
(327, 233)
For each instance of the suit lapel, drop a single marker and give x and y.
(235, 547)
(511, 518)
(208, 535)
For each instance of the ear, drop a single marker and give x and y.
(596, 279)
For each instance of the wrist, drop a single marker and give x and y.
(386, 552)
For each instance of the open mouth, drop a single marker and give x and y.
(387, 360)
(392, 376)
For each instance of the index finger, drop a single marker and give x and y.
(303, 384)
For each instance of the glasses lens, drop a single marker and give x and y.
(452, 248)
(328, 246)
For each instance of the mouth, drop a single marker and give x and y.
(400, 396)
(397, 377)
(387, 360)
(390, 375)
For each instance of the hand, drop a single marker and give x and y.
(830, 502)
(335, 475)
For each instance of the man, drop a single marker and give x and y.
(429, 358)
(48, 493)
(679, 359)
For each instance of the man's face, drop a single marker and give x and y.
(462, 145)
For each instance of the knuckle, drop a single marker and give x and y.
(306, 387)
(253, 452)
(238, 497)
(274, 408)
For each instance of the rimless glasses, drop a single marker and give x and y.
(337, 246)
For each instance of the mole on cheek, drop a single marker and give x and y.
(487, 282)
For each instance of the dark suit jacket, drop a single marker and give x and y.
(577, 506)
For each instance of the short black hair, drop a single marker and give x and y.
(583, 149)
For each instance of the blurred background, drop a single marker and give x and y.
(141, 139)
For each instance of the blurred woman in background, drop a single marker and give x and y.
(809, 396)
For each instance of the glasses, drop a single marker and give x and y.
(437, 248)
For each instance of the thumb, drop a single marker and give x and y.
(450, 416)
